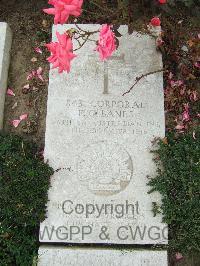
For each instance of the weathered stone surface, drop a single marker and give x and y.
(5, 46)
(100, 142)
(100, 257)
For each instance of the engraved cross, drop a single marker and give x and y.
(119, 58)
(106, 64)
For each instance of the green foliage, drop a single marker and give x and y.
(178, 181)
(24, 182)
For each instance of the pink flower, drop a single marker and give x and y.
(162, 1)
(61, 52)
(63, 9)
(155, 22)
(106, 44)
(10, 92)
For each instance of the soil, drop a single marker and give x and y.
(30, 28)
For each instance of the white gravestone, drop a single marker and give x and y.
(100, 141)
(100, 257)
(5, 46)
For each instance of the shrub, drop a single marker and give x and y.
(178, 181)
(24, 182)
(187, 3)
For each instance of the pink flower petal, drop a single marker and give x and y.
(178, 256)
(23, 117)
(27, 86)
(35, 88)
(186, 116)
(106, 43)
(197, 64)
(186, 106)
(170, 75)
(34, 59)
(159, 42)
(30, 76)
(14, 105)
(39, 71)
(10, 92)
(177, 83)
(40, 77)
(38, 50)
(15, 123)
(182, 91)
(194, 96)
(179, 127)
(34, 73)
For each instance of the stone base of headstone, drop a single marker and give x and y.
(64, 256)
(5, 46)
